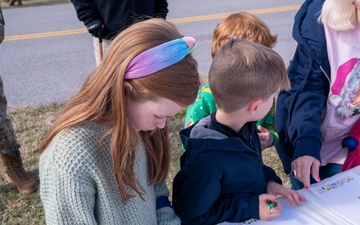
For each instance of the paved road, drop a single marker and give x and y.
(47, 54)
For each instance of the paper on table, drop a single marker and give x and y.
(289, 216)
(341, 193)
(335, 200)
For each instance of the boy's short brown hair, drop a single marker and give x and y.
(242, 25)
(242, 71)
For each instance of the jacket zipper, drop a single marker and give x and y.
(327, 77)
(253, 147)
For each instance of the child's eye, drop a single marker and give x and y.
(157, 117)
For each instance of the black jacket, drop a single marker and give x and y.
(222, 174)
(118, 14)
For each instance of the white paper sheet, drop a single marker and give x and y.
(289, 216)
(335, 200)
(341, 193)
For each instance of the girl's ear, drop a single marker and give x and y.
(128, 86)
(253, 106)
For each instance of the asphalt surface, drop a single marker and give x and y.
(47, 53)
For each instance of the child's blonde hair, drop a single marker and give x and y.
(339, 14)
(242, 71)
(242, 25)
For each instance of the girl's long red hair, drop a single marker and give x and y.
(102, 100)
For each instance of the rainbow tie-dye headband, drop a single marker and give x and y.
(159, 57)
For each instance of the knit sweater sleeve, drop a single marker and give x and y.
(67, 190)
(165, 214)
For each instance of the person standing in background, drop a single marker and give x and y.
(9, 147)
(12, 2)
(241, 25)
(318, 112)
(105, 19)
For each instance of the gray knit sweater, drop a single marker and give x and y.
(78, 185)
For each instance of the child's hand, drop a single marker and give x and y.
(266, 212)
(293, 196)
(266, 139)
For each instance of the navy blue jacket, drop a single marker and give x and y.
(118, 14)
(298, 110)
(221, 177)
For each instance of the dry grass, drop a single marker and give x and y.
(31, 125)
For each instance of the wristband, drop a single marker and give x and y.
(162, 201)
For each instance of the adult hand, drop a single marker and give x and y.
(266, 213)
(95, 28)
(303, 166)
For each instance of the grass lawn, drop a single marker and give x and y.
(31, 125)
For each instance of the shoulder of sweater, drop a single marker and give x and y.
(78, 136)
(77, 147)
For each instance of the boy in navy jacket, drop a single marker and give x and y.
(222, 175)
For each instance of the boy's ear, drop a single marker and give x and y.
(253, 106)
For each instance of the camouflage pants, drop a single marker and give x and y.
(8, 142)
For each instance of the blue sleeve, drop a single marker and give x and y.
(164, 212)
(270, 175)
(197, 199)
(307, 108)
(308, 73)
